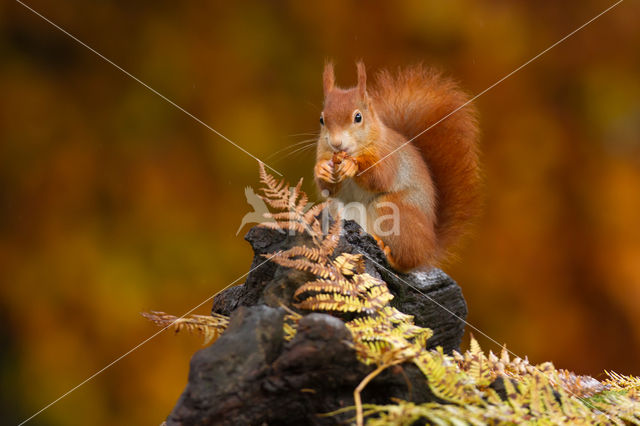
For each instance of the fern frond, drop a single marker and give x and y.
(580, 386)
(269, 181)
(338, 286)
(621, 382)
(619, 405)
(341, 285)
(332, 238)
(349, 264)
(335, 303)
(209, 326)
(302, 264)
(286, 216)
(285, 225)
(311, 214)
(291, 205)
(445, 381)
(387, 335)
(313, 254)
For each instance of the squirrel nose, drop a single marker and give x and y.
(336, 145)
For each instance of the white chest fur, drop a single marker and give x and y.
(352, 202)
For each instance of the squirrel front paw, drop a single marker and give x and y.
(347, 168)
(336, 169)
(324, 171)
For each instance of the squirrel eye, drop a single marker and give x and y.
(357, 118)
(321, 120)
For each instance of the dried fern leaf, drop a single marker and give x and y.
(338, 286)
(349, 264)
(209, 326)
(334, 303)
(302, 264)
(621, 382)
(313, 254)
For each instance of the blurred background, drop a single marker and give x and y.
(114, 202)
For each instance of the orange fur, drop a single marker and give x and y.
(410, 102)
(434, 180)
(416, 244)
(379, 180)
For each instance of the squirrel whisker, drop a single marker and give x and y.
(299, 150)
(293, 146)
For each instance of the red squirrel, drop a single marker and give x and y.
(429, 188)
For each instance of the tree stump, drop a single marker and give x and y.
(252, 375)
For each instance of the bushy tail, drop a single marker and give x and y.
(413, 100)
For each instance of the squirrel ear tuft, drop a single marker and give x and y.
(362, 79)
(328, 78)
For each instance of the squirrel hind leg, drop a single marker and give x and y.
(414, 245)
(387, 252)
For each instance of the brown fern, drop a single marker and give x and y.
(292, 211)
(209, 326)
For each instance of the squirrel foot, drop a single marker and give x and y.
(386, 250)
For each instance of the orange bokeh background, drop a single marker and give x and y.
(114, 202)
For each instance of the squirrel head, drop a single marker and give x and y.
(348, 121)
